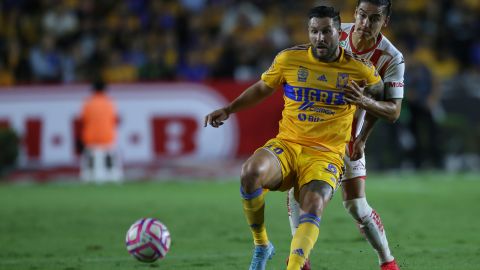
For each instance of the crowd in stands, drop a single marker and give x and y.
(51, 41)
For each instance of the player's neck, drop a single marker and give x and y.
(361, 43)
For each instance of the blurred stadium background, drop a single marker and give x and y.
(187, 57)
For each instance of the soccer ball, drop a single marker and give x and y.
(148, 239)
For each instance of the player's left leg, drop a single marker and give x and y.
(314, 197)
(293, 217)
(355, 202)
(316, 182)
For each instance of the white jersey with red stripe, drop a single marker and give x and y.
(391, 67)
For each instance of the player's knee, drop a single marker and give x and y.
(358, 208)
(316, 197)
(314, 207)
(250, 176)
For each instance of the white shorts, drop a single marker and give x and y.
(354, 169)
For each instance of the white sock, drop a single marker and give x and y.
(372, 225)
(293, 211)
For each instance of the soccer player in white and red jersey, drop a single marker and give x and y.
(364, 39)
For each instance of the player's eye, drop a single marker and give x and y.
(375, 19)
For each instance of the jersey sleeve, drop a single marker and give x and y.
(394, 77)
(273, 77)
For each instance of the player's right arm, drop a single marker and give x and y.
(253, 95)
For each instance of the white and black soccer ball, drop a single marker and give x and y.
(148, 239)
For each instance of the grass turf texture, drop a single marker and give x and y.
(431, 220)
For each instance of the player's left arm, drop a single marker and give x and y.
(389, 108)
(385, 100)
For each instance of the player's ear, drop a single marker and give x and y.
(387, 20)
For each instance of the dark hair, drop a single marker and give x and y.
(98, 85)
(324, 12)
(381, 3)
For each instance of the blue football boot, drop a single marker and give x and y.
(261, 255)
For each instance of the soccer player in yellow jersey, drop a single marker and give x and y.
(364, 39)
(308, 151)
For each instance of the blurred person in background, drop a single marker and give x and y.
(365, 40)
(100, 160)
(45, 60)
(423, 101)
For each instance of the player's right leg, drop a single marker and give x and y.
(261, 170)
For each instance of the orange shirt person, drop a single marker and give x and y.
(99, 119)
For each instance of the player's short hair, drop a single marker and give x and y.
(325, 12)
(98, 85)
(387, 4)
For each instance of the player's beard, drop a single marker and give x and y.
(329, 56)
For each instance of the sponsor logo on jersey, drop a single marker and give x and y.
(342, 80)
(302, 74)
(309, 118)
(310, 106)
(311, 94)
(322, 78)
(394, 84)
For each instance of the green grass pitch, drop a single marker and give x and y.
(432, 222)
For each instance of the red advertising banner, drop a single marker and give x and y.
(157, 121)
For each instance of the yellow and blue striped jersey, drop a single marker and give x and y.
(315, 113)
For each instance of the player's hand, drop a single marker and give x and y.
(216, 118)
(358, 149)
(354, 93)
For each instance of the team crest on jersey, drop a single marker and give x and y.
(343, 43)
(302, 74)
(342, 80)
